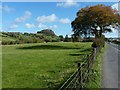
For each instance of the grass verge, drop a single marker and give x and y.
(96, 77)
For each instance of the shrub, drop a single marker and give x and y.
(116, 42)
(87, 40)
(61, 37)
(98, 42)
(4, 42)
(8, 42)
(17, 41)
(11, 42)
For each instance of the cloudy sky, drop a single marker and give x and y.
(34, 16)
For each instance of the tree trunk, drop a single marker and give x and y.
(100, 32)
(96, 34)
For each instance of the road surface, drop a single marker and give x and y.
(111, 69)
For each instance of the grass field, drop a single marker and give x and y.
(8, 39)
(40, 65)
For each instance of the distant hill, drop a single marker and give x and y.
(47, 32)
(9, 38)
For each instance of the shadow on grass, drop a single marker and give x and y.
(49, 47)
(84, 50)
(76, 54)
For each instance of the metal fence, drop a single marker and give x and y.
(79, 78)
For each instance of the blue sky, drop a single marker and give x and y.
(35, 16)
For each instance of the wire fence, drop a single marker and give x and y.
(80, 77)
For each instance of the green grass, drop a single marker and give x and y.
(8, 39)
(96, 77)
(4, 37)
(40, 65)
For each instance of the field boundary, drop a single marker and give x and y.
(81, 76)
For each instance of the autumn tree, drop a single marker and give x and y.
(95, 20)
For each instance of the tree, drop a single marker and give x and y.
(95, 20)
(75, 38)
(61, 37)
(66, 39)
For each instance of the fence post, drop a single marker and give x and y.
(98, 49)
(94, 53)
(88, 66)
(80, 74)
(88, 62)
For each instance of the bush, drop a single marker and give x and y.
(17, 42)
(4, 42)
(11, 42)
(98, 42)
(8, 42)
(37, 40)
(116, 42)
(55, 39)
(87, 40)
(28, 38)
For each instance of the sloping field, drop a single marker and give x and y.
(40, 65)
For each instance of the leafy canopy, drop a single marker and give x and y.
(95, 20)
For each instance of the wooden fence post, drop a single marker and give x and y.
(94, 53)
(88, 62)
(80, 74)
(88, 66)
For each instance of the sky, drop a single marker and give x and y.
(35, 16)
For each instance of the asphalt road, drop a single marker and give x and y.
(111, 73)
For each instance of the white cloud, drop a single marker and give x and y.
(14, 26)
(53, 27)
(6, 8)
(116, 7)
(43, 19)
(65, 21)
(42, 26)
(50, 18)
(19, 20)
(26, 16)
(67, 3)
(28, 25)
(114, 30)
